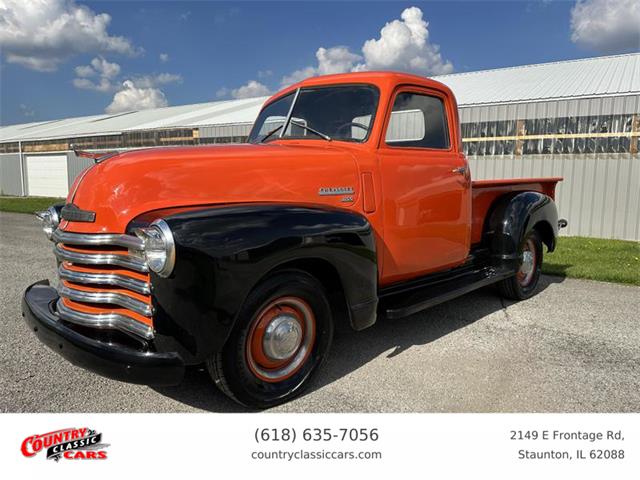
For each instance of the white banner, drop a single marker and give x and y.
(313, 445)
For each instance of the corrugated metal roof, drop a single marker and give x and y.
(589, 77)
(214, 113)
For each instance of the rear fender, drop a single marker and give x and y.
(514, 216)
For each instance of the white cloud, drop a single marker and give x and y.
(132, 97)
(26, 110)
(100, 67)
(252, 89)
(223, 92)
(104, 68)
(106, 73)
(149, 81)
(264, 73)
(41, 34)
(103, 85)
(330, 60)
(608, 26)
(335, 60)
(164, 57)
(85, 71)
(140, 93)
(298, 75)
(404, 45)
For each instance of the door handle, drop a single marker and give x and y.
(460, 170)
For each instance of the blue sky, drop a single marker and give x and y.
(211, 49)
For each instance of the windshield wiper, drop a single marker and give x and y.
(288, 120)
(297, 124)
(271, 133)
(309, 129)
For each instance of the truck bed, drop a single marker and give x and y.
(484, 192)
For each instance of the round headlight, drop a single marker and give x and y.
(50, 220)
(159, 247)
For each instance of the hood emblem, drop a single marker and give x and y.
(72, 213)
(335, 191)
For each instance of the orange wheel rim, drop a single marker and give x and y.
(280, 339)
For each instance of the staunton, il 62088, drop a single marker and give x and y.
(351, 201)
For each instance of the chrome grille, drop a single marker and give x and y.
(106, 297)
(104, 282)
(113, 321)
(87, 258)
(103, 278)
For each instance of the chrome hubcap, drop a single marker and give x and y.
(528, 264)
(282, 337)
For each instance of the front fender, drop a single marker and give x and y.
(514, 216)
(223, 252)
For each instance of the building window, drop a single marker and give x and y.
(545, 136)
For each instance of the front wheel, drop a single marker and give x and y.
(525, 282)
(282, 335)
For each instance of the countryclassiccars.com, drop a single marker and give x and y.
(352, 201)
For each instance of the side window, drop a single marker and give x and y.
(418, 121)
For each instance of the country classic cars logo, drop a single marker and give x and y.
(69, 443)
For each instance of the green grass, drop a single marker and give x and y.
(595, 259)
(27, 204)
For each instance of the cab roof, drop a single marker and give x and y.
(385, 81)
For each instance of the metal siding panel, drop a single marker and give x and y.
(75, 166)
(473, 165)
(562, 190)
(620, 195)
(492, 113)
(597, 195)
(577, 180)
(610, 183)
(572, 108)
(10, 183)
(464, 114)
(632, 217)
(586, 199)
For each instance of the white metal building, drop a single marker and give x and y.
(578, 119)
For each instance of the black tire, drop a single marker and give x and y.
(233, 369)
(517, 287)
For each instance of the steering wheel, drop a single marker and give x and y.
(350, 124)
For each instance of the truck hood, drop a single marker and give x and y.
(127, 185)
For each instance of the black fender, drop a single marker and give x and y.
(514, 216)
(223, 252)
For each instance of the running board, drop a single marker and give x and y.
(403, 304)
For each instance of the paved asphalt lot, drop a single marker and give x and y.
(575, 347)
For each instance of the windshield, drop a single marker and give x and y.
(333, 113)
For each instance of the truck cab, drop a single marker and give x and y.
(352, 202)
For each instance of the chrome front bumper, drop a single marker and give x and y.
(109, 359)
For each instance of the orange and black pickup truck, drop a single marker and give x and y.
(352, 201)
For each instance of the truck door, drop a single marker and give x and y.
(426, 186)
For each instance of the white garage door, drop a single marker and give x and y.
(47, 175)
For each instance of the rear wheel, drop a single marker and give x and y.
(283, 333)
(525, 282)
